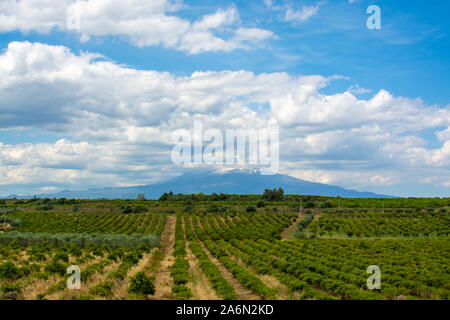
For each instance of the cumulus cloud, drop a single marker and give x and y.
(142, 23)
(117, 122)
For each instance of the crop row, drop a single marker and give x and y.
(180, 268)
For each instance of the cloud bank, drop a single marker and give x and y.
(117, 122)
(142, 23)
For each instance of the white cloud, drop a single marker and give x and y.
(143, 23)
(302, 14)
(118, 121)
(356, 89)
(290, 14)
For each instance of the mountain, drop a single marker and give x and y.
(228, 182)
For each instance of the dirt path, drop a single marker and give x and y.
(289, 232)
(120, 290)
(163, 280)
(242, 292)
(270, 281)
(199, 283)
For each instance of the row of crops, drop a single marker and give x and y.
(40, 270)
(318, 269)
(382, 224)
(107, 247)
(89, 223)
(245, 250)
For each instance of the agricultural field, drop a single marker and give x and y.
(225, 247)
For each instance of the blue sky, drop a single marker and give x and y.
(405, 65)
(408, 57)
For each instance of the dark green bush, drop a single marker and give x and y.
(8, 271)
(141, 284)
(140, 209)
(182, 292)
(260, 204)
(127, 209)
(103, 289)
(10, 287)
(56, 267)
(45, 207)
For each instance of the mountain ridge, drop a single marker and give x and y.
(236, 181)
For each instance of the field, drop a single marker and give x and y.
(225, 247)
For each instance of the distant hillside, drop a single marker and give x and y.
(229, 182)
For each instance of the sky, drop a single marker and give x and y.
(91, 90)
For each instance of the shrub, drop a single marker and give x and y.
(116, 255)
(212, 208)
(309, 204)
(140, 209)
(182, 292)
(8, 271)
(10, 287)
(11, 221)
(141, 284)
(250, 209)
(61, 256)
(45, 207)
(127, 209)
(260, 204)
(103, 289)
(294, 205)
(61, 201)
(56, 267)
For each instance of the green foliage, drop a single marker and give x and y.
(8, 271)
(81, 240)
(182, 292)
(222, 287)
(212, 208)
(10, 287)
(139, 209)
(11, 221)
(141, 196)
(302, 225)
(273, 195)
(56, 267)
(382, 224)
(45, 207)
(127, 209)
(103, 289)
(61, 256)
(260, 204)
(141, 284)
